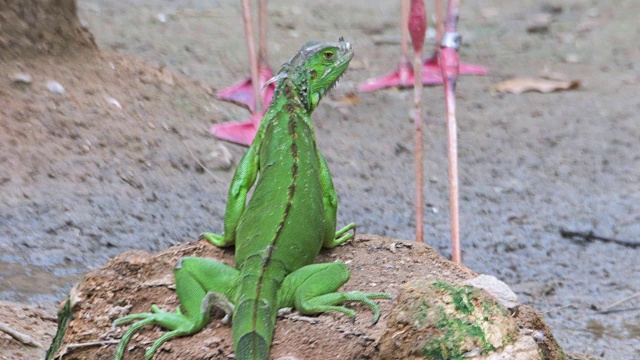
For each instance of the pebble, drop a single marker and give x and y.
(21, 78)
(161, 17)
(114, 102)
(496, 288)
(55, 87)
(220, 158)
(572, 58)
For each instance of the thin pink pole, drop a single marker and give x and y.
(251, 47)
(450, 64)
(417, 26)
(439, 21)
(404, 30)
(262, 36)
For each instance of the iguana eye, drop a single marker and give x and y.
(328, 55)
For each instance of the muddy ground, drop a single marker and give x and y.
(83, 180)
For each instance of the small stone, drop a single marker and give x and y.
(498, 289)
(572, 58)
(161, 17)
(118, 311)
(220, 158)
(21, 78)
(114, 102)
(55, 87)
(539, 23)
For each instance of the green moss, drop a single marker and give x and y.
(461, 295)
(458, 331)
(421, 313)
(64, 316)
(455, 334)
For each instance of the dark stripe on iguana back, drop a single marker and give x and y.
(290, 111)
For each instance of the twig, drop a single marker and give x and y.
(617, 311)
(609, 309)
(70, 347)
(556, 308)
(589, 236)
(308, 319)
(215, 178)
(93, 343)
(23, 338)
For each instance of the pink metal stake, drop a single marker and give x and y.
(242, 93)
(417, 25)
(249, 92)
(449, 64)
(403, 76)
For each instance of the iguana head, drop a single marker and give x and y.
(314, 70)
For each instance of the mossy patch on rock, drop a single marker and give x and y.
(435, 319)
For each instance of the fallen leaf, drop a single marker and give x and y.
(521, 85)
(350, 99)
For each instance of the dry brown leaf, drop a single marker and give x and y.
(521, 85)
(350, 99)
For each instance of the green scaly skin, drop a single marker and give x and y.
(279, 233)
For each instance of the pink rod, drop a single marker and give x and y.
(251, 47)
(417, 26)
(449, 63)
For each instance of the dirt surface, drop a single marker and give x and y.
(36, 321)
(111, 164)
(133, 281)
(31, 27)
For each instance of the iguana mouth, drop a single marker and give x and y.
(347, 50)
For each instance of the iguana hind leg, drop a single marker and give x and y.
(200, 284)
(312, 289)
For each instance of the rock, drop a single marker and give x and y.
(21, 78)
(462, 315)
(161, 17)
(219, 159)
(524, 348)
(55, 87)
(498, 289)
(539, 23)
(436, 319)
(114, 102)
(572, 58)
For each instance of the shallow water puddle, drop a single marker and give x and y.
(36, 284)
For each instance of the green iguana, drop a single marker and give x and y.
(279, 233)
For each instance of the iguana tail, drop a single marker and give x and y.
(254, 316)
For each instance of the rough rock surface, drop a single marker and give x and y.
(435, 319)
(134, 280)
(498, 289)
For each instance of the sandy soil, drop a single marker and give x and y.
(86, 180)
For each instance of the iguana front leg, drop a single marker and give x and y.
(200, 284)
(312, 289)
(330, 202)
(243, 179)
